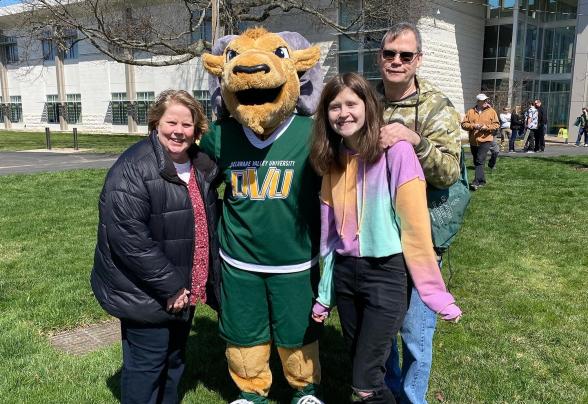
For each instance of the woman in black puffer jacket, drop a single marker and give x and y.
(157, 250)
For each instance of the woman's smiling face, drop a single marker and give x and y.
(175, 131)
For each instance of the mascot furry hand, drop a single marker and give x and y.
(263, 86)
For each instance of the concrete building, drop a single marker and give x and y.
(467, 47)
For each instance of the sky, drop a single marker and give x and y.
(8, 2)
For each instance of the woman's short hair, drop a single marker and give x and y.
(169, 97)
(325, 141)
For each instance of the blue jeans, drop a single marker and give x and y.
(513, 137)
(410, 383)
(581, 132)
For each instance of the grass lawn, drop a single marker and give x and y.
(97, 143)
(518, 272)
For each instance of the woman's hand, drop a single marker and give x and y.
(179, 301)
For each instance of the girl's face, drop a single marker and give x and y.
(347, 116)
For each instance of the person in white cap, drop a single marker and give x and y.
(481, 122)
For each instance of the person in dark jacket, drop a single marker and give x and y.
(541, 127)
(157, 250)
(517, 124)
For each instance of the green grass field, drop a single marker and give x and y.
(518, 272)
(96, 143)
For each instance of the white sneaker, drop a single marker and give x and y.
(309, 400)
(242, 401)
(586, 145)
(530, 151)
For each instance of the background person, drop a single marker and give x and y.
(505, 130)
(517, 125)
(157, 251)
(363, 252)
(582, 121)
(481, 122)
(531, 124)
(417, 112)
(541, 127)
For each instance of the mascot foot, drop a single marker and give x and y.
(250, 398)
(307, 395)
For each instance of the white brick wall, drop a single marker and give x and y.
(452, 42)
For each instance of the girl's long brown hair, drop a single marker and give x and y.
(324, 149)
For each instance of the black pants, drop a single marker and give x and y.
(153, 361)
(371, 299)
(479, 154)
(539, 139)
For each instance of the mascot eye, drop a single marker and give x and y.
(231, 54)
(282, 52)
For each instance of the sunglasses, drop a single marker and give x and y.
(405, 57)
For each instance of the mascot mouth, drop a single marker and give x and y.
(258, 96)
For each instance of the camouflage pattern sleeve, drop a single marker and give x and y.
(440, 148)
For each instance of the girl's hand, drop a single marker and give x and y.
(451, 313)
(320, 312)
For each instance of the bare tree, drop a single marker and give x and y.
(156, 33)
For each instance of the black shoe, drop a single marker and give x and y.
(474, 187)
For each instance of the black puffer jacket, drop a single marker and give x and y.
(145, 242)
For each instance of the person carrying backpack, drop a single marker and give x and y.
(418, 112)
(582, 123)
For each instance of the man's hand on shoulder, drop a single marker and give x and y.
(394, 132)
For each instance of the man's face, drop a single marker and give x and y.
(395, 70)
(537, 103)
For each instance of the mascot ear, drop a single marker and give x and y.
(213, 80)
(306, 58)
(213, 63)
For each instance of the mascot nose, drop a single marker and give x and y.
(251, 69)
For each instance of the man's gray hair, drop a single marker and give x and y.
(400, 28)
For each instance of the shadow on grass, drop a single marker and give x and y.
(207, 365)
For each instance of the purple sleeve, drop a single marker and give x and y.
(403, 165)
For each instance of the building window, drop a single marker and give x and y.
(52, 106)
(15, 108)
(74, 108)
(359, 52)
(202, 30)
(119, 109)
(555, 96)
(497, 48)
(144, 101)
(203, 98)
(8, 49)
(70, 46)
(558, 50)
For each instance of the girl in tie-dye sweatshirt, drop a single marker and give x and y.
(374, 226)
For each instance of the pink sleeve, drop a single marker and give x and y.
(403, 166)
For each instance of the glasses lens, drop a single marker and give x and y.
(405, 57)
(388, 54)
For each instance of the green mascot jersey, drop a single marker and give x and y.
(270, 219)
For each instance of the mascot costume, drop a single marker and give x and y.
(263, 87)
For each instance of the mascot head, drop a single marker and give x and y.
(262, 77)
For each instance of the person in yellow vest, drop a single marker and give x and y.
(563, 132)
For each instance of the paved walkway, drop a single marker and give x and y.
(38, 161)
(87, 339)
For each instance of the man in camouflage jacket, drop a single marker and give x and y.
(417, 112)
